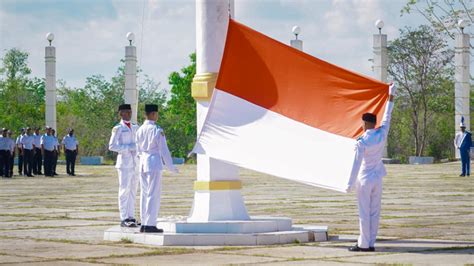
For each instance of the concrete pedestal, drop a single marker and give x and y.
(257, 231)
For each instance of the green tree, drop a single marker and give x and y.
(443, 15)
(21, 98)
(92, 110)
(179, 117)
(420, 63)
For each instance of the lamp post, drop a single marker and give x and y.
(380, 60)
(131, 90)
(297, 44)
(461, 79)
(50, 75)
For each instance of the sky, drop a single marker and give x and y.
(90, 35)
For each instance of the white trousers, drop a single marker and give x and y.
(128, 185)
(369, 197)
(150, 194)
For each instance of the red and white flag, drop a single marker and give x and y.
(282, 112)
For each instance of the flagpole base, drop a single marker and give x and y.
(179, 232)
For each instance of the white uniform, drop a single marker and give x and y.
(154, 156)
(367, 175)
(122, 141)
(458, 139)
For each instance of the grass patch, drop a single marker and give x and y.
(126, 240)
(155, 252)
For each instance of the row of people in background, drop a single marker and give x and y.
(36, 152)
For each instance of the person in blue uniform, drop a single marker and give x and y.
(463, 142)
(38, 156)
(71, 149)
(28, 147)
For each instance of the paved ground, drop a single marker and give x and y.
(427, 218)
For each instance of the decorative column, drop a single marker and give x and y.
(297, 44)
(461, 80)
(131, 90)
(50, 75)
(380, 60)
(217, 194)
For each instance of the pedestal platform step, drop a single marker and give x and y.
(301, 234)
(255, 225)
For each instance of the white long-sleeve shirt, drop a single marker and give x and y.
(459, 138)
(153, 149)
(122, 141)
(369, 151)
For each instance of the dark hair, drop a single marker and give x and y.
(369, 117)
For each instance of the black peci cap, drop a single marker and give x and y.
(125, 107)
(151, 108)
(369, 117)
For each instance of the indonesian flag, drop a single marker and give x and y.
(282, 112)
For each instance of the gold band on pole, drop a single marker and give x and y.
(217, 185)
(203, 85)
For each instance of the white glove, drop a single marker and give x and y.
(349, 188)
(392, 89)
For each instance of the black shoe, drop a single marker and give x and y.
(128, 223)
(73, 174)
(462, 175)
(55, 173)
(356, 248)
(135, 221)
(372, 249)
(150, 229)
(30, 175)
(40, 173)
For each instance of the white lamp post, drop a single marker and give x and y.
(50, 75)
(131, 90)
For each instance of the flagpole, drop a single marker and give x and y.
(217, 189)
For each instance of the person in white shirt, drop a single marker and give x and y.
(463, 142)
(48, 147)
(154, 157)
(12, 149)
(5, 153)
(122, 141)
(38, 157)
(20, 151)
(27, 146)
(71, 149)
(367, 173)
(57, 151)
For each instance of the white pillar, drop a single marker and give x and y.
(131, 90)
(380, 60)
(461, 85)
(50, 75)
(217, 189)
(297, 44)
